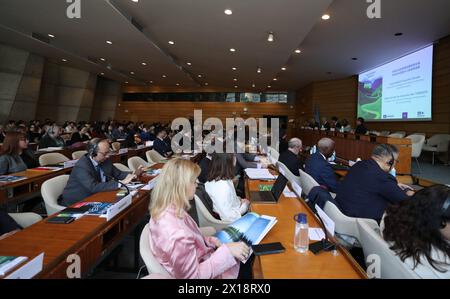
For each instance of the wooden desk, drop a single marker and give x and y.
(15, 192)
(90, 237)
(292, 264)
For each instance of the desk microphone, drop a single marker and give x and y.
(324, 244)
(120, 183)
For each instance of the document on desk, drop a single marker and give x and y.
(288, 193)
(259, 174)
(150, 185)
(316, 234)
(29, 270)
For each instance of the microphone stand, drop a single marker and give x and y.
(324, 244)
(120, 183)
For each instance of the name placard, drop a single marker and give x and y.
(118, 207)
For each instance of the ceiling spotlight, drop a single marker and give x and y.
(126, 82)
(228, 12)
(298, 51)
(258, 70)
(109, 42)
(102, 59)
(233, 68)
(132, 73)
(268, 86)
(188, 63)
(151, 82)
(283, 68)
(253, 85)
(102, 74)
(171, 42)
(235, 86)
(144, 63)
(275, 79)
(235, 79)
(51, 35)
(270, 38)
(232, 50)
(206, 83)
(178, 84)
(64, 60)
(199, 76)
(326, 17)
(135, 1)
(164, 76)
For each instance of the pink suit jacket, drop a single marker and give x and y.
(179, 246)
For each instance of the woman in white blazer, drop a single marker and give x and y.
(220, 188)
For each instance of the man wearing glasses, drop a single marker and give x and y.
(94, 173)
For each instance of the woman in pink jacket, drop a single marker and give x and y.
(176, 240)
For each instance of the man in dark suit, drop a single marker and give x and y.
(290, 156)
(360, 126)
(94, 173)
(318, 167)
(204, 164)
(368, 187)
(160, 144)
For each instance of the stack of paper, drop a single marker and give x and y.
(259, 174)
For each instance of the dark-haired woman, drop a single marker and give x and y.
(15, 156)
(418, 230)
(220, 188)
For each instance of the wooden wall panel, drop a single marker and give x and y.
(339, 98)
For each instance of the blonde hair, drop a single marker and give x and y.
(172, 185)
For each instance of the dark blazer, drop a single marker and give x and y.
(85, 181)
(322, 171)
(7, 224)
(291, 161)
(361, 129)
(161, 147)
(204, 164)
(366, 191)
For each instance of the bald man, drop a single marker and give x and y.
(318, 167)
(290, 156)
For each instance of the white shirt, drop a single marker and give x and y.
(226, 203)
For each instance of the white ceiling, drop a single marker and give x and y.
(203, 35)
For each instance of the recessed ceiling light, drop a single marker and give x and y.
(164, 76)
(268, 86)
(144, 63)
(102, 74)
(171, 42)
(232, 50)
(253, 85)
(398, 34)
(233, 68)
(270, 37)
(126, 82)
(258, 70)
(151, 82)
(206, 83)
(235, 79)
(51, 35)
(135, 1)
(283, 68)
(109, 42)
(199, 76)
(228, 12)
(298, 51)
(275, 79)
(326, 17)
(63, 60)
(132, 73)
(235, 86)
(102, 59)
(178, 84)
(188, 63)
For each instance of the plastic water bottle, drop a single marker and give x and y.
(301, 237)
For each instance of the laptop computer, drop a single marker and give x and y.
(271, 196)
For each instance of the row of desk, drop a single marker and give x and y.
(350, 146)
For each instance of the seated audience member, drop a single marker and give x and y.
(360, 126)
(176, 241)
(290, 156)
(346, 126)
(335, 123)
(313, 123)
(205, 164)
(283, 146)
(160, 145)
(369, 187)
(52, 138)
(94, 173)
(325, 124)
(119, 133)
(220, 188)
(318, 167)
(14, 152)
(418, 230)
(7, 225)
(33, 134)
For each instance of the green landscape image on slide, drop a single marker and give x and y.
(370, 98)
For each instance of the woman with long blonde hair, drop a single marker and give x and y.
(176, 240)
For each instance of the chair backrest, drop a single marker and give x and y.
(385, 133)
(152, 264)
(52, 159)
(417, 142)
(122, 167)
(115, 146)
(345, 225)
(439, 140)
(391, 267)
(51, 190)
(307, 182)
(273, 154)
(397, 135)
(25, 219)
(78, 154)
(135, 162)
(154, 156)
(292, 178)
(149, 157)
(205, 218)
